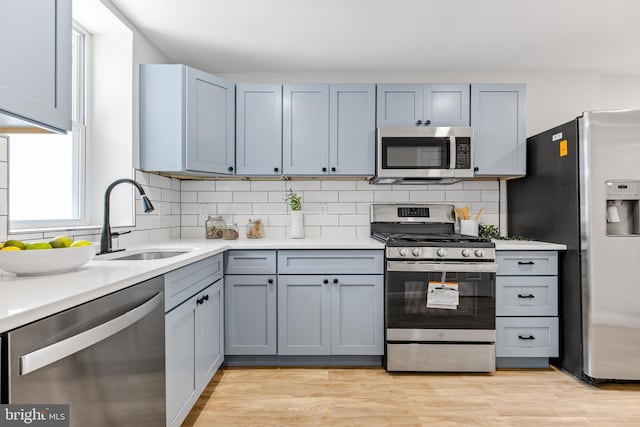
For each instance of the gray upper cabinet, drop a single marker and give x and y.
(186, 121)
(36, 40)
(328, 129)
(413, 104)
(498, 119)
(305, 133)
(352, 129)
(259, 129)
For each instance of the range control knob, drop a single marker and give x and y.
(416, 252)
(466, 253)
(402, 252)
(479, 253)
(441, 252)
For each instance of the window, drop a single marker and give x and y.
(47, 171)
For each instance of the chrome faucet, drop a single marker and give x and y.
(105, 238)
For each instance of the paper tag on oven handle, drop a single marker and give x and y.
(443, 295)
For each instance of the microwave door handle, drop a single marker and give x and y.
(47, 355)
(452, 152)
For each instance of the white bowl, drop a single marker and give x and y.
(45, 261)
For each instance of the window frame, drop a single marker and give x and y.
(79, 145)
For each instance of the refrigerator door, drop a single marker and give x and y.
(609, 150)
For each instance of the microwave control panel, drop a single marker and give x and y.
(463, 152)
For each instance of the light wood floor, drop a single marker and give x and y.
(373, 397)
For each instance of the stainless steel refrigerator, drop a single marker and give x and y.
(582, 189)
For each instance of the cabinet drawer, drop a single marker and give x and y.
(526, 296)
(526, 337)
(331, 262)
(184, 282)
(527, 263)
(250, 262)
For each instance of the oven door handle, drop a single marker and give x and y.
(449, 267)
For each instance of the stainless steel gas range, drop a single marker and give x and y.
(439, 291)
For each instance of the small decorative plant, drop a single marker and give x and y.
(295, 201)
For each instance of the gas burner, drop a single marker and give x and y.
(400, 238)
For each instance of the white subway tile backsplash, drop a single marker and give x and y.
(159, 181)
(233, 186)
(192, 232)
(321, 220)
(250, 197)
(3, 224)
(338, 185)
(356, 196)
(319, 196)
(170, 195)
(275, 232)
(268, 186)
(392, 196)
(192, 185)
(175, 208)
(3, 149)
(331, 208)
(354, 219)
(215, 197)
(234, 208)
(175, 184)
(3, 206)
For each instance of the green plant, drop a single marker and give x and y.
(295, 201)
(489, 231)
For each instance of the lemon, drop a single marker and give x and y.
(10, 248)
(65, 240)
(57, 244)
(39, 245)
(1, 245)
(15, 243)
(80, 243)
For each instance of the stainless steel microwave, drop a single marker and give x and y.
(418, 154)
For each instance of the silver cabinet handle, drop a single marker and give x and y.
(58, 351)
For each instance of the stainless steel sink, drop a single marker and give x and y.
(148, 255)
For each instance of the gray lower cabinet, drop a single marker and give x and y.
(187, 121)
(498, 118)
(194, 338)
(526, 308)
(322, 315)
(250, 315)
(413, 104)
(35, 83)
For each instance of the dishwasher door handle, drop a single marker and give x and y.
(58, 351)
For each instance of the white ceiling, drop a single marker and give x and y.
(393, 35)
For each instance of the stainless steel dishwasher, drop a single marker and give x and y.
(104, 358)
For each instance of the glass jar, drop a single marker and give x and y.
(231, 232)
(255, 229)
(214, 226)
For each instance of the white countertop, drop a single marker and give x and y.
(29, 298)
(527, 245)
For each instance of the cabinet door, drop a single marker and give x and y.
(399, 104)
(209, 333)
(352, 129)
(446, 104)
(35, 82)
(259, 129)
(250, 315)
(498, 121)
(210, 134)
(357, 315)
(180, 344)
(305, 133)
(304, 315)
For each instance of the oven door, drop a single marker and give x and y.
(407, 288)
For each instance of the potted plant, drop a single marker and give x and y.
(297, 222)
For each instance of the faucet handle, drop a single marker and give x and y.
(119, 233)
